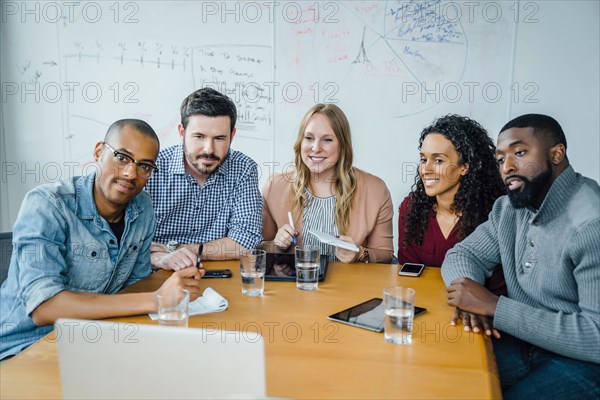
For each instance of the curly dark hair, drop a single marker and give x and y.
(478, 189)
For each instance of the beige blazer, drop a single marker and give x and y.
(371, 213)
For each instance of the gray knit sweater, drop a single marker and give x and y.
(551, 261)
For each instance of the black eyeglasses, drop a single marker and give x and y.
(143, 169)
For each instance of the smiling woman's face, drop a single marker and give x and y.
(439, 165)
(320, 148)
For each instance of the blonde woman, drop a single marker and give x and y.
(325, 193)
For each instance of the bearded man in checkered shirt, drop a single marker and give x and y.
(204, 192)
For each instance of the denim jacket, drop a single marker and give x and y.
(60, 242)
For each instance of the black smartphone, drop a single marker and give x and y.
(217, 273)
(411, 269)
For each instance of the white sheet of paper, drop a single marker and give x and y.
(209, 302)
(329, 239)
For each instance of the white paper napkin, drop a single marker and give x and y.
(209, 302)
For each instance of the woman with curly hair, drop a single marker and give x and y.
(326, 193)
(457, 184)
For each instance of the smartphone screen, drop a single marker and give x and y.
(410, 268)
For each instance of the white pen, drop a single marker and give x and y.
(294, 239)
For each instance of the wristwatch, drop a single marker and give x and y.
(364, 257)
(172, 245)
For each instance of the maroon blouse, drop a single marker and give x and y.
(434, 247)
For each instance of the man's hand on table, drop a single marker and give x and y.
(179, 259)
(475, 322)
(188, 279)
(475, 305)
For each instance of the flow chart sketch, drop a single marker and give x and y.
(375, 49)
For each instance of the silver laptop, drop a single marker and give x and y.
(109, 360)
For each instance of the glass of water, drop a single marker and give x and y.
(308, 261)
(173, 307)
(252, 269)
(399, 303)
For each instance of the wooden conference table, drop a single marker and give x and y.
(308, 356)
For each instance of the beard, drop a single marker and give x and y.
(195, 160)
(531, 189)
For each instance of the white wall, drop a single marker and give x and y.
(564, 62)
(488, 60)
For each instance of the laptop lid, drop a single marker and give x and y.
(110, 360)
(282, 267)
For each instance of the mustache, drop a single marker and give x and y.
(127, 181)
(524, 179)
(211, 156)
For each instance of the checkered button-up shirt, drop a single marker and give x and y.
(228, 205)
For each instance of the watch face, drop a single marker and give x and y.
(172, 245)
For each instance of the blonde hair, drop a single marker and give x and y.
(345, 181)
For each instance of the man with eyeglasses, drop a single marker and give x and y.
(204, 192)
(80, 241)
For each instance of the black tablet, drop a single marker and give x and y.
(368, 315)
(282, 267)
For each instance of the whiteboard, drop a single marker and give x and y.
(392, 66)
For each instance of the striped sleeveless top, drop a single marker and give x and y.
(319, 215)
